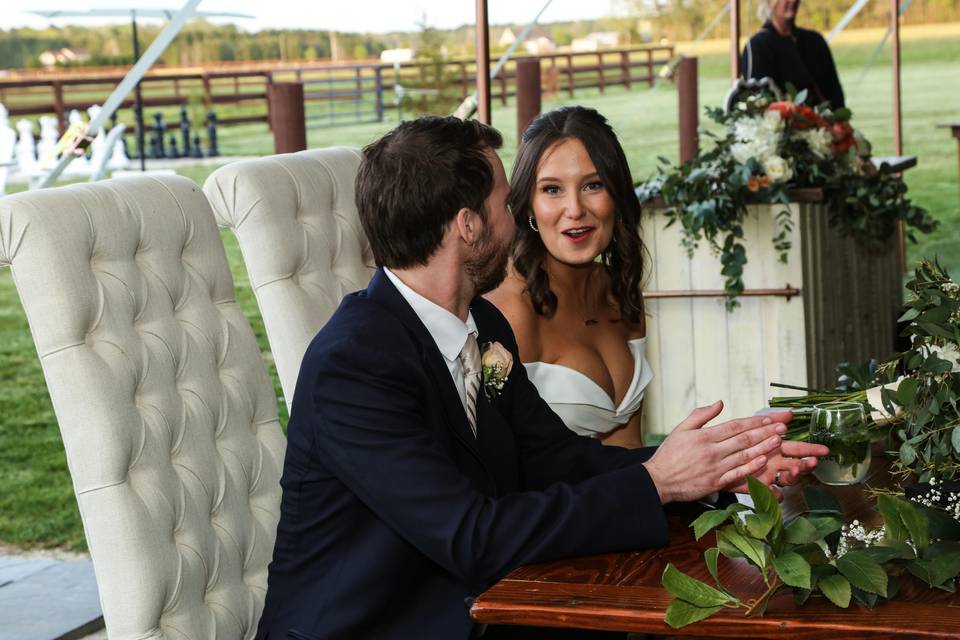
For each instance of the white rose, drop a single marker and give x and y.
(819, 141)
(777, 168)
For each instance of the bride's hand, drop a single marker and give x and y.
(786, 466)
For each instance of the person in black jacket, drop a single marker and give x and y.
(786, 53)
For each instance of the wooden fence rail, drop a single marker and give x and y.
(240, 95)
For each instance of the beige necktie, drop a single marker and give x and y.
(472, 377)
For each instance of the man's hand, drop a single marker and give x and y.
(694, 462)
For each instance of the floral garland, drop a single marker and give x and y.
(768, 148)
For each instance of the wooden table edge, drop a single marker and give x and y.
(587, 607)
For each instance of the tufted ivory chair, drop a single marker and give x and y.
(296, 222)
(168, 418)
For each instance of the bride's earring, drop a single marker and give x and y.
(533, 225)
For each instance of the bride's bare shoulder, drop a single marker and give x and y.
(513, 301)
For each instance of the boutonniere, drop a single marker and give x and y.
(496, 363)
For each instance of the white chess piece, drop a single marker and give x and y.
(8, 142)
(98, 149)
(118, 155)
(26, 148)
(46, 148)
(80, 165)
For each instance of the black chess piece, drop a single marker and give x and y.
(154, 148)
(197, 151)
(212, 150)
(173, 152)
(185, 130)
(158, 132)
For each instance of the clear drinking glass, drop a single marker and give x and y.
(842, 426)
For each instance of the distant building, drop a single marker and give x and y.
(539, 45)
(507, 38)
(396, 55)
(596, 40)
(63, 56)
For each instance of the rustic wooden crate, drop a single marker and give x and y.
(846, 311)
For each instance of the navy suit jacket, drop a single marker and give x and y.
(394, 516)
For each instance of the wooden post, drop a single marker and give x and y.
(483, 64)
(601, 81)
(735, 39)
(625, 68)
(268, 78)
(528, 93)
(688, 108)
(503, 87)
(378, 79)
(58, 107)
(650, 76)
(897, 117)
(288, 118)
(570, 75)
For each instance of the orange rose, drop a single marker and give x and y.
(765, 181)
(753, 184)
(785, 108)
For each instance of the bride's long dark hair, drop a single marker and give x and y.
(623, 257)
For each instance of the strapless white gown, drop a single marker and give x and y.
(582, 404)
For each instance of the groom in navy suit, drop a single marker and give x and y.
(412, 479)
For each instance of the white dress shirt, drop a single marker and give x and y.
(447, 330)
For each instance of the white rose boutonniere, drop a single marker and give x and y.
(496, 363)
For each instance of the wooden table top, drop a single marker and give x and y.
(622, 591)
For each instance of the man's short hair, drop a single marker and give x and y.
(413, 181)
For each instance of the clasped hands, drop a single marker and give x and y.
(695, 461)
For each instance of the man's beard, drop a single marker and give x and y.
(487, 267)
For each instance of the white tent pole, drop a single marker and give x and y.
(129, 81)
(847, 17)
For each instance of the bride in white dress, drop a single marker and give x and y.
(573, 293)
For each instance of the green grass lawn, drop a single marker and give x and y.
(37, 507)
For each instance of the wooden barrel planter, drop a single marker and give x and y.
(832, 301)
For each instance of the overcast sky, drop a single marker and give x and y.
(341, 15)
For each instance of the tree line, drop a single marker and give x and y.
(636, 21)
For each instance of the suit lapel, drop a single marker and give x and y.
(382, 291)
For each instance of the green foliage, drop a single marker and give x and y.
(433, 91)
(753, 161)
(929, 426)
(808, 557)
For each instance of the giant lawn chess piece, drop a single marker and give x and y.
(8, 142)
(197, 151)
(47, 147)
(26, 148)
(80, 164)
(98, 148)
(185, 131)
(212, 150)
(158, 131)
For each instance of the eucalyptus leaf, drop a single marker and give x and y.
(863, 572)
(916, 525)
(907, 391)
(890, 510)
(800, 531)
(680, 613)
(753, 550)
(837, 590)
(792, 569)
(867, 599)
(695, 592)
(759, 525)
(710, 556)
(820, 500)
(707, 521)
